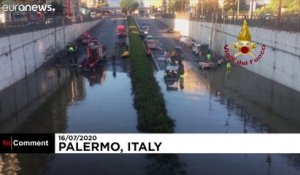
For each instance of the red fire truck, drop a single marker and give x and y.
(121, 31)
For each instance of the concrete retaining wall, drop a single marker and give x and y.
(22, 54)
(280, 61)
(24, 97)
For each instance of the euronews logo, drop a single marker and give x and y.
(9, 6)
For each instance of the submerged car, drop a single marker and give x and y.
(121, 31)
(207, 65)
(96, 54)
(85, 38)
(186, 41)
(151, 43)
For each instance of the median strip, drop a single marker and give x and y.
(148, 99)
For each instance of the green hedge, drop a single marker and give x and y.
(148, 99)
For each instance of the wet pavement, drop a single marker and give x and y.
(55, 100)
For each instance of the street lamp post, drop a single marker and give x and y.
(238, 8)
(279, 13)
(201, 7)
(252, 6)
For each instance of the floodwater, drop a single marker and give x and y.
(236, 101)
(221, 102)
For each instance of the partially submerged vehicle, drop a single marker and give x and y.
(169, 30)
(174, 76)
(212, 61)
(85, 38)
(125, 54)
(201, 49)
(121, 31)
(207, 65)
(149, 37)
(96, 53)
(186, 41)
(145, 29)
(172, 72)
(151, 43)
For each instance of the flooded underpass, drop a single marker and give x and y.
(60, 100)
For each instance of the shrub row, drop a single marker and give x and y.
(148, 99)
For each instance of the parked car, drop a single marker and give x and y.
(149, 37)
(144, 30)
(169, 30)
(151, 44)
(186, 41)
(207, 65)
(93, 14)
(177, 36)
(49, 21)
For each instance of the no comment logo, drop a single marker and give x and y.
(244, 47)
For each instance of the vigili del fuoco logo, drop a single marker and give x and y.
(244, 47)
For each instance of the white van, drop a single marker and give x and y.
(93, 14)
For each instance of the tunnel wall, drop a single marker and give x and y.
(280, 61)
(22, 54)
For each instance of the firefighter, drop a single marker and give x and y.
(228, 66)
(208, 56)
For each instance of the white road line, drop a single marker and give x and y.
(155, 62)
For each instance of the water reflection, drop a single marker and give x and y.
(162, 164)
(232, 101)
(95, 77)
(255, 98)
(235, 101)
(20, 100)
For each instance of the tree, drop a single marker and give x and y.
(243, 5)
(174, 5)
(230, 5)
(291, 7)
(141, 4)
(209, 9)
(128, 6)
(59, 9)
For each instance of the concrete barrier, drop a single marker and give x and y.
(280, 61)
(22, 54)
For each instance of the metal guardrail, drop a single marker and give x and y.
(291, 25)
(11, 28)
